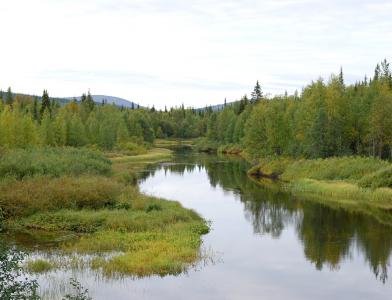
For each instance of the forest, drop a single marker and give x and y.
(327, 118)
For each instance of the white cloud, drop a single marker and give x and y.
(195, 52)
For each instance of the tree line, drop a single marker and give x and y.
(328, 118)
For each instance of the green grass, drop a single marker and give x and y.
(39, 266)
(162, 240)
(125, 167)
(350, 180)
(21, 163)
(153, 155)
(124, 231)
(162, 143)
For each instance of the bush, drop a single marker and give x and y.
(21, 163)
(131, 148)
(13, 282)
(381, 178)
(79, 293)
(206, 145)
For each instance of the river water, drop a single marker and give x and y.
(264, 243)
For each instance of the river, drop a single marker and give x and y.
(264, 243)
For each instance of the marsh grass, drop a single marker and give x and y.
(148, 241)
(40, 266)
(126, 168)
(162, 143)
(124, 231)
(351, 180)
(152, 155)
(22, 163)
(28, 196)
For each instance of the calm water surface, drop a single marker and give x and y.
(264, 243)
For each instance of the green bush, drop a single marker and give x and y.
(131, 148)
(380, 178)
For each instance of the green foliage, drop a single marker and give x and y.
(14, 284)
(45, 103)
(377, 179)
(9, 98)
(79, 293)
(21, 163)
(327, 119)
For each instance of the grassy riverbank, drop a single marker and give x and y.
(355, 181)
(89, 202)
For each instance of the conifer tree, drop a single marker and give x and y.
(45, 103)
(89, 102)
(9, 99)
(341, 77)
(257, 94)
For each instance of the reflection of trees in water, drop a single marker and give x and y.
(329, 235)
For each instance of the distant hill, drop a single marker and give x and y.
(109, 99)
(216, 107)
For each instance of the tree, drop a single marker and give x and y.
(9, 99)
(90, 102)
(35, 109)
(341, 77)
(45, 103)
(257, 94)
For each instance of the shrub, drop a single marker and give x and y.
(131, 148)
(380, 178)
(13, 282)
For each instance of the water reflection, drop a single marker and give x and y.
(329, 234)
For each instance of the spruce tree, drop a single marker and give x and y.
(45, 103)
(257, 94)
(377, 72)
(9, 99)
(89, 102)
(341, 77)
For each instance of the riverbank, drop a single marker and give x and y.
(93, 214)
(352, 181)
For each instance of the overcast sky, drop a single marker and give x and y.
(168, 52)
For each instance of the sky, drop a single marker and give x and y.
(195, 52)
